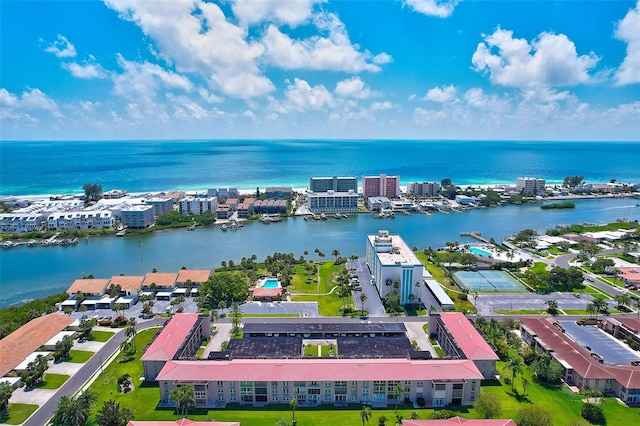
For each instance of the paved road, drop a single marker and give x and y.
(71, 386)
(373, 304)
(565, 260)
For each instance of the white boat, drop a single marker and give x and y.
(223, 227)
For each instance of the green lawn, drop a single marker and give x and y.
(557, 251)
(79, 357)
(18, 413)
(52, 381)
(538, 266)
(101, 336)
(563, 404)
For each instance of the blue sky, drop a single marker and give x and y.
(356, 69)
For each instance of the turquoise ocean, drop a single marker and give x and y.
(140, 166)
(63, 167)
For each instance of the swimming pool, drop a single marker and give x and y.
(270, 283)
(480, 252)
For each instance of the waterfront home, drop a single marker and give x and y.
(377, 204)
(179, 339)
(389, 258)
(85, 220)
(381, 186)
(114, 193)
(530, 186)
(17, 346)
(160, 280)
(193, 277)
(278, 192)
(130, 285)
(458, 338)
(270, 207)
(198, 205)
(245, 208)
(88, 287)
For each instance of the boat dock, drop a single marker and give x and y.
(475, 234)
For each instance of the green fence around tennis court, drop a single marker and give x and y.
(488, 282)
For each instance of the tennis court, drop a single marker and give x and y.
(488, 282)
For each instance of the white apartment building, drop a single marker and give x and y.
(530, 186)
(333, 201)
(198, 205)
(85, 220)
(428, 189)
(138, 216)
(389, 258)
(32, 217)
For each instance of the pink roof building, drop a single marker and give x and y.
(322, 381)
(180, 337)
(196, 276)
(580, 367)
(160, 279)
(458, 337)
(460, 421)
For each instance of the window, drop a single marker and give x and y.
(439, 386)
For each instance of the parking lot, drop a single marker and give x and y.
(487, 303)
(596, 340)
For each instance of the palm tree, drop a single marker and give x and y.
(398, 392)
(183, 396)
(293, 404)
(365, 414)
(363, 298)
(335, 253)
(305, 253)
(5, 394)
(513, 364)
(525, 385)
(414, 415)
(131, 332)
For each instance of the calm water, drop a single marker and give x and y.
(64, 167)
(33, 272)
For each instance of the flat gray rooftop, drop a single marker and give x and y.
(324, 328)
(612, 350)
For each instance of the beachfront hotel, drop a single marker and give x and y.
(425, 189)
(389, 258)
(332, 201)
(268, 366)
(381, 186)
(530, 186)
(335, 184)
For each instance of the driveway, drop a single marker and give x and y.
(373, 304)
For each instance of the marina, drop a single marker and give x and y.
(51, 269)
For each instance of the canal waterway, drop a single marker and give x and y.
(27, 273)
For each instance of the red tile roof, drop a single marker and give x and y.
(181, 422)
(169, 340)
(195, 275)
(260, 292)
(320, 370)
(632, 324)
(467, 337)
(166, 279)
(128, 282)
(96, 286)
(15, 347)
(460, 421)
(578, 357)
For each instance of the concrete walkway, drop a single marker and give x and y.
(415, 332)
(222, 334)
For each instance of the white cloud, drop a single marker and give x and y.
(490, 103)
(249, 114)
(209, 97)
(290, 12)
(550, 60)
(628, 30)
(198, 38)
(300, 96)
(439, 8)
(441, 94)
(185, 108)
(354, 87)
(382, 58)
(335, 52)
(85, 71)
(380, 106)
(62, 48)
(19, 107)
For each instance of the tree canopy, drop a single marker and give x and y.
(573, 181)
(224, 286)
(92, 192)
